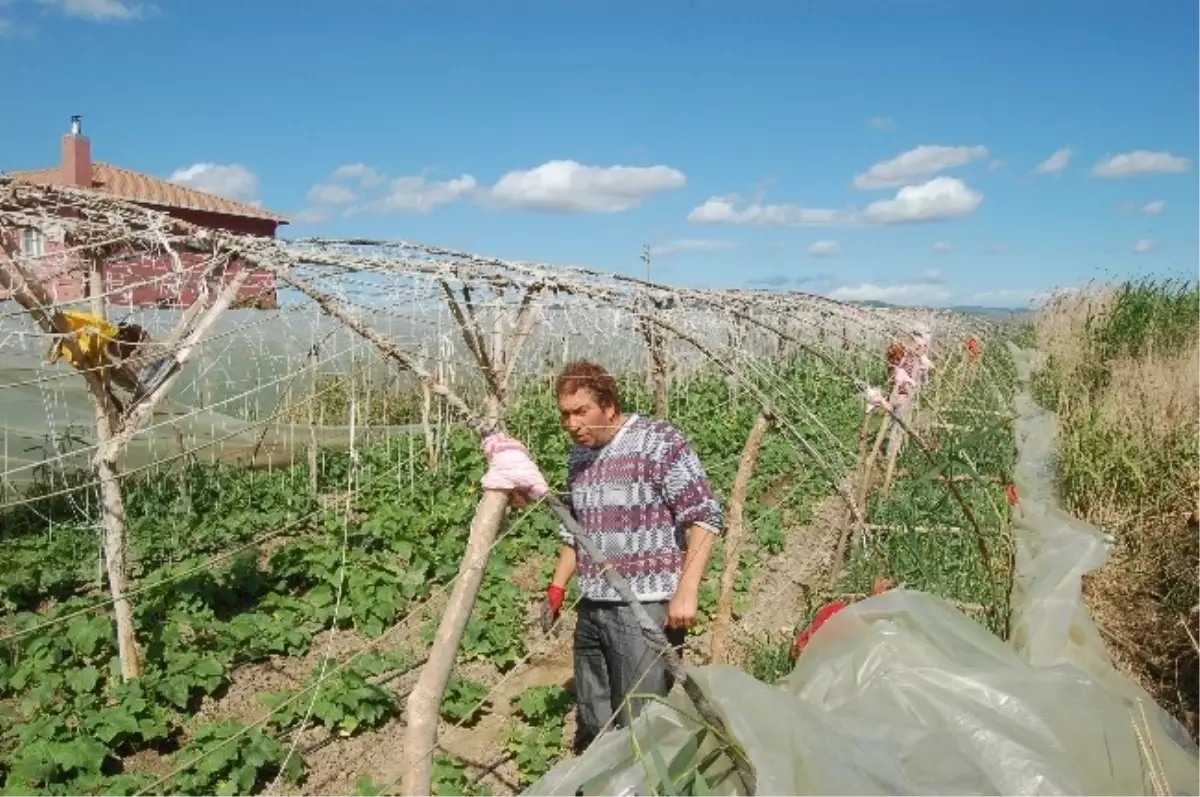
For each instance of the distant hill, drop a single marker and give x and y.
(991, 313)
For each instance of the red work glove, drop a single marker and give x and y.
(552, 606)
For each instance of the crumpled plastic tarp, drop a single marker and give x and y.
(903, 694)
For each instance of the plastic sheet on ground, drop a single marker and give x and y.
(903, 694)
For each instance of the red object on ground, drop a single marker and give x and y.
(974, 349)
(1011, 493)
(827, 611)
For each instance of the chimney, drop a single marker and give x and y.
(76, 157)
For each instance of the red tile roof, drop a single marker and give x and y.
(143, 188)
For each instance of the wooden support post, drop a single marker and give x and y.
(113, 516)
(112, 502)
(495, 399)
(425, 700)
(314, 359)
(96, 286)
(431, 457)
(656, 360)
(735, 530)
(894, 445)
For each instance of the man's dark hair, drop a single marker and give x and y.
(586, 375)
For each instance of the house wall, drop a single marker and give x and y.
(133, 280)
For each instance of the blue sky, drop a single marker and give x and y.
(867, 150)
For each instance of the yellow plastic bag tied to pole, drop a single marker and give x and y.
(92, 335)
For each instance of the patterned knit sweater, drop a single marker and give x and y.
(635, 498)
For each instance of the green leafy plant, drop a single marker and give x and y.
(464, 701)
(229, 760)
(536, 741)
(345, 701)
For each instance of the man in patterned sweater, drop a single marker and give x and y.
(638, 489)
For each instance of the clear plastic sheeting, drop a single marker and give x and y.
(223, 407)
(903, 694)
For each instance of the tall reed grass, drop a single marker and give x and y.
(1122, 372)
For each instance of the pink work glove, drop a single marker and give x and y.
(511, 468)
(875, 401)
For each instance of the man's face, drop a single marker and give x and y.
(588, 423)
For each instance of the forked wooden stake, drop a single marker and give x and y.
(113, 430)
(734, 531)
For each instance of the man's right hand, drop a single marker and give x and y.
(552, 606)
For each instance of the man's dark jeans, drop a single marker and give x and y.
(613, 659)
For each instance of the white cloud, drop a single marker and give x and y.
(330, 194)
(415, 194)
(996, 165)
(996, 249)
(824, 248)
(724, 210)
(1055, 163)
(364, 174)
(926, 289)
(565, 186)
(882, 122)
(323, 196)
(228, 180)
(1154, 208)
(940, 198)
(916, 165)
(897, 293)
(101, 10)
(1143, 246)
(942, 246)
(311, 215)
(692, 245)
(1141, 162)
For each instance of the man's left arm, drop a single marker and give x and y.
(690, 497)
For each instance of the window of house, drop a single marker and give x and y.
(33, 243)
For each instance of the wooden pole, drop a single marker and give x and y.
(96, 284)
(112, 504)
(431, 458)
(735, 530)
(425, 700)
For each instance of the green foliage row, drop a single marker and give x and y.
(70, 724)
(973, 438)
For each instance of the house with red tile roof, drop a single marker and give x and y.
(142, 279)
